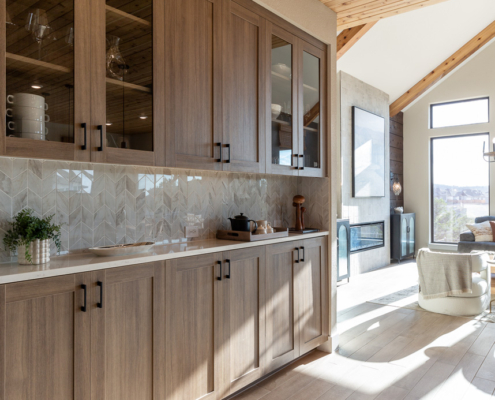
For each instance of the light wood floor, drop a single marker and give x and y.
(391, 353)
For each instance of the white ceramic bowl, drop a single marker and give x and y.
(34, 136)
(27, 126)
(27, 100)
(276, 110)
(122, 249)
(32, 113)
(282, 69)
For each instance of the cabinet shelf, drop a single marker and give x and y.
(287, 78)
(37, 63)
(128, 85)
(280, 122)
(123, 14)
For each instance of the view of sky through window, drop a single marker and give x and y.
(460, 189)
(460, 113)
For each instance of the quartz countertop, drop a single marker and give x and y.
(85, 262)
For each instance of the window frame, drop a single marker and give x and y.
(456, 102)
(432, 199)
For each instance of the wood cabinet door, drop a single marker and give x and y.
(45, 346)
(195, 132)
(281, 71)
(282, 340)
(128, 82)
(311, 109)
(194, 332)
(311, 287)
(124, 325)
(56, 70)
(244, 278)
(243, 85)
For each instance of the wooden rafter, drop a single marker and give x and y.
(311, 115)
(349, 37)
(443, 69)
(352, 13)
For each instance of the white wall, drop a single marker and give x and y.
(474, 79)
(354, 92)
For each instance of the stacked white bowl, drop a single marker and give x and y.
(28, 111)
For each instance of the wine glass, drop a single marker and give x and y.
(116, 65)
(37, 25)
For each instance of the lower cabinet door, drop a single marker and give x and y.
(244, 271)
(194, 328)
(123, 327)
(311, 287)
(45, 346)
(282, 341)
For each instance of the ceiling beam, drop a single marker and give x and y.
(349, 37)
(351, 13)
(443, 69)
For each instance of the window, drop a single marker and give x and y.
(459, 185)
(466, 112)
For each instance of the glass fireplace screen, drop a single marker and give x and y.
(367, 236)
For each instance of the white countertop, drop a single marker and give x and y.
(85, 262)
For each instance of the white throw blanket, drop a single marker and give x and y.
(444, 274)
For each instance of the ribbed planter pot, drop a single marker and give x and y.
(39, 251)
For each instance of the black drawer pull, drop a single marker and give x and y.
(228, 275)
(100, 304)
(83, 308)
(228, 147)
(219, 144)
(100, 128)
(84, 146)
(298, 255)
(297, 160)
(220, 277)
(303, 253)
(301, 156)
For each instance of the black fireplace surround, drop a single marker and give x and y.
(367, 236)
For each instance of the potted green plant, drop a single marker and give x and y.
(30, 236)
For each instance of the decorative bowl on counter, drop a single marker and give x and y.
(122, 249)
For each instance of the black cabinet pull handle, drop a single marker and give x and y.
(228, 275)
(100, 304)
(83, 308)
(84, 146)
(100, 128)
(298, 255)
(228, 147)
(303, 253)
(297, 160)
(220, 277)
(219, 144)
(301, 156)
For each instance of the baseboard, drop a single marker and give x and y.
(330, 345)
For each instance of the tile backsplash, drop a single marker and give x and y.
(100, 204)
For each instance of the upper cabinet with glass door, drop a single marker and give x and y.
(46, 74)
(311, 103)
(296, 80)
(123, 82)
(282, 136)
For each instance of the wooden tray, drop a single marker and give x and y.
(249, 237)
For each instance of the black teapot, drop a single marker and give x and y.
(241, 223)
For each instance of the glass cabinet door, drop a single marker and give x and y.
(343, 255)
(403, 237)
(123, 81)
(282, 135)
(45, 59)
(411, 239)
(310, 107)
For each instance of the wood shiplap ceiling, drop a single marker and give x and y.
(352, 13)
